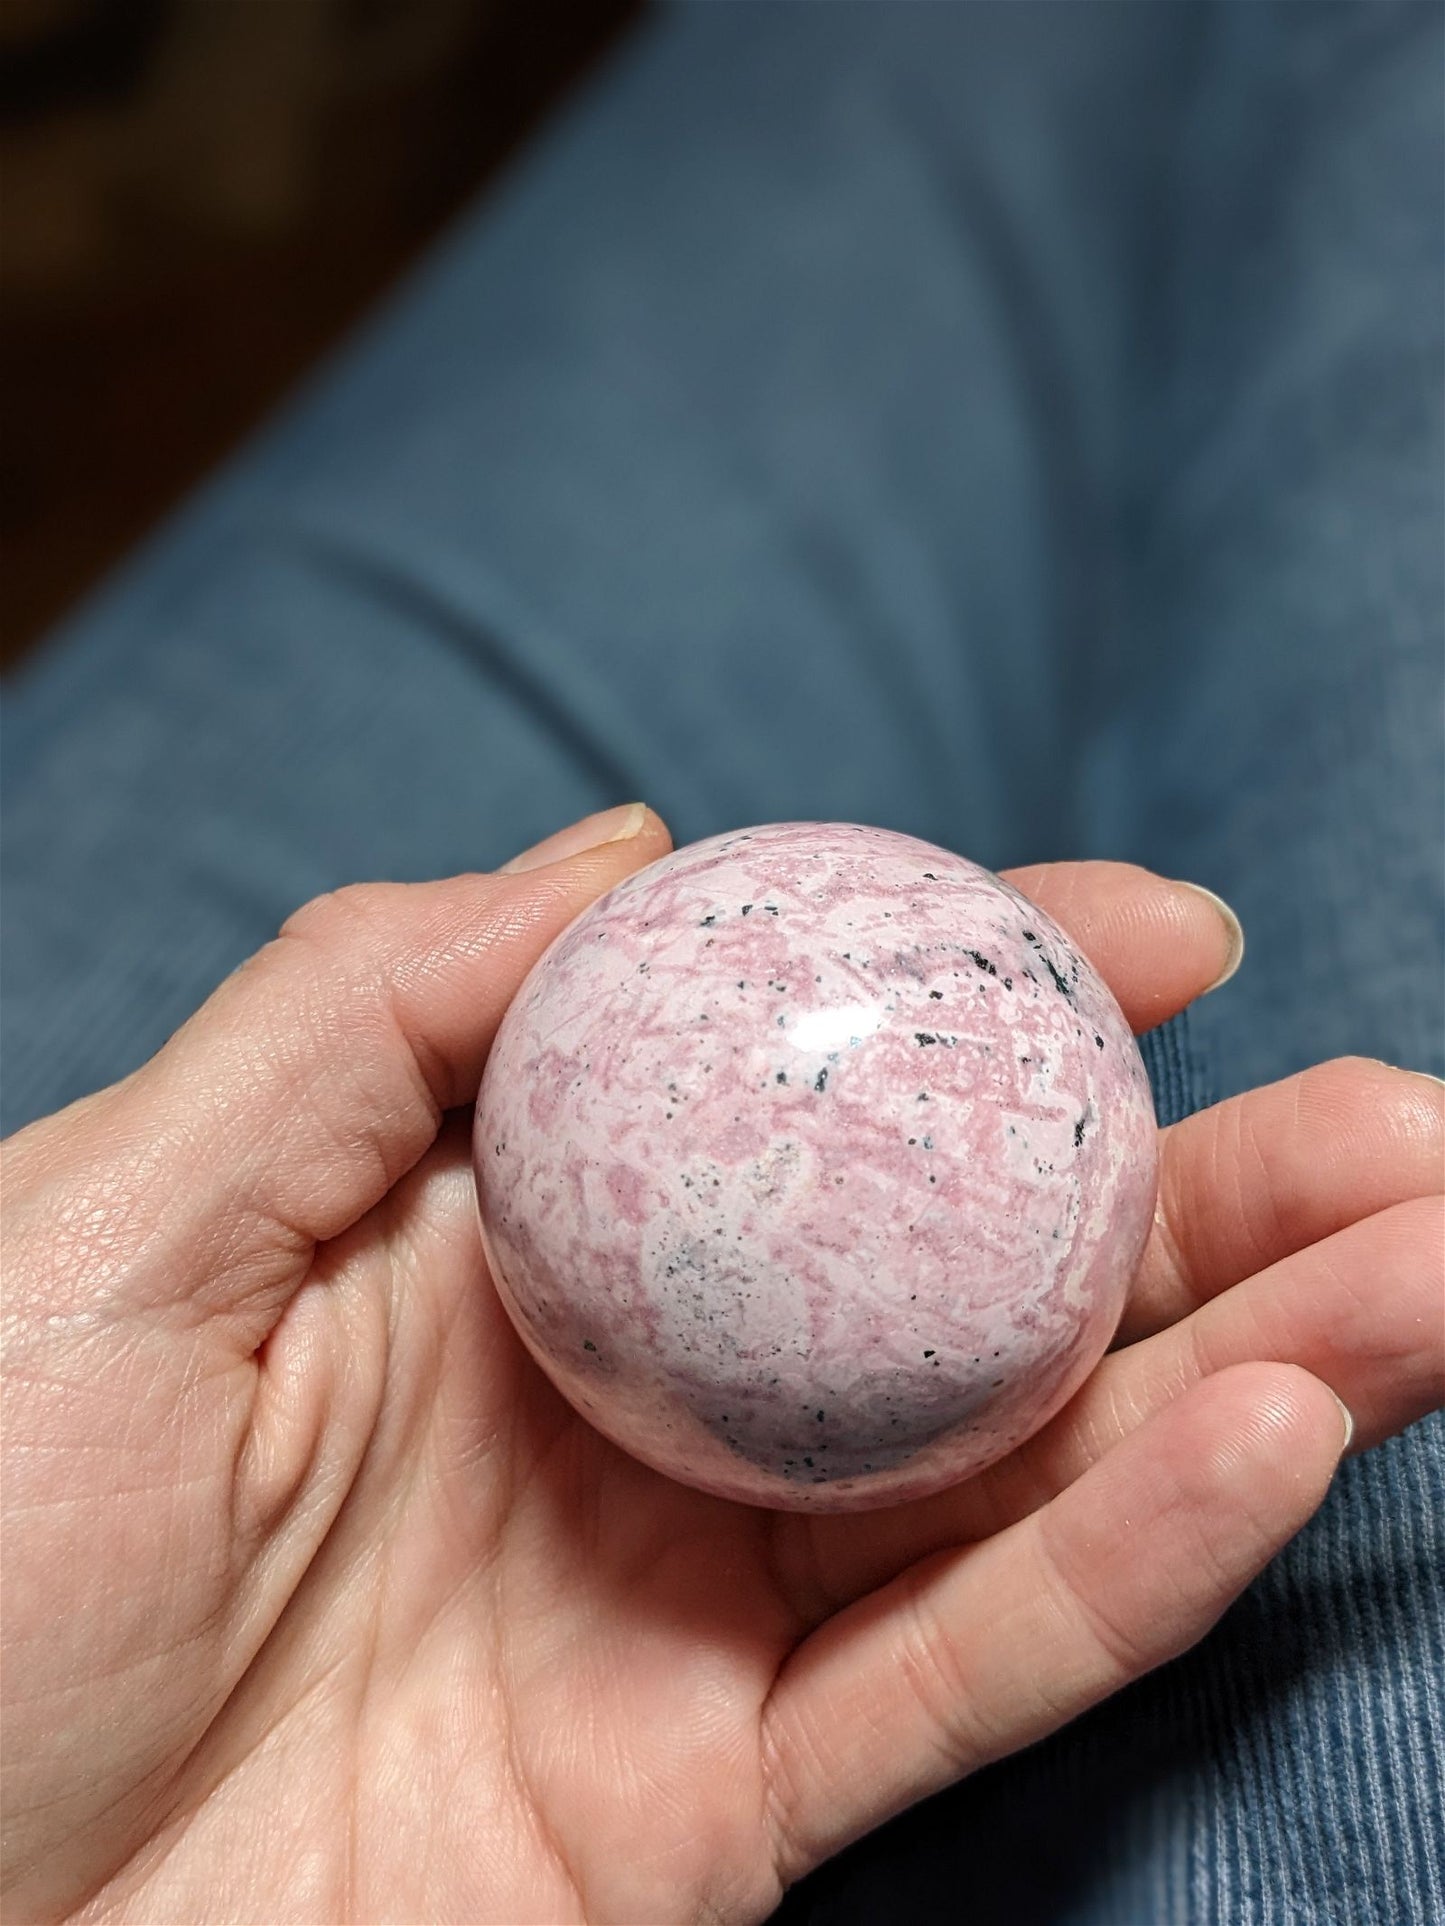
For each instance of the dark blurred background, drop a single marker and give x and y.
(199, 196)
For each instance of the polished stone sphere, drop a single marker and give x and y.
(814, 1165)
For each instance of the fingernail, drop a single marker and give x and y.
(1349, 1422)
(1234, 929)
(618, 825)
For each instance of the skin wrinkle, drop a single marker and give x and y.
(283, 1384)
(181, 1245)
(1124, 1654)
(259, 1575)
(66, 1500)
(1359, 1292)
(788, 1856)
(1250, 1142)
(306, 1213)
(351, 1885)
(408, 1485)
(930, 1661)
(173, 1832)
(166, 1770)
(403, 1120)
(523, 1788)
(1244, 1146)
(439, 1469)
(118, 1241)
(261, 1503)
(414, 1107)
(374, 1554)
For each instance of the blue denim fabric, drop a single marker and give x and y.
(1020, 425)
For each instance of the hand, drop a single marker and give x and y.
(320, 1604)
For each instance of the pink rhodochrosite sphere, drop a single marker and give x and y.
(814, 1164)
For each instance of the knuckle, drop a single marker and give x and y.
(790, 1768)
(932, 1664)
(329, 958)
(1119, 1651)
(338, 915)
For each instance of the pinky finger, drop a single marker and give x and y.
(974, 1653)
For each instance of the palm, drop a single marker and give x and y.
(478, 1663)
(495, 1564)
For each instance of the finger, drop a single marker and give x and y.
(1360, 1311)
(316, 1075)
(1249, 1181)
(1364, 1310)
(1157, 944)
(976, 1653)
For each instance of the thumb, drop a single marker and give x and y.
(315, 1076)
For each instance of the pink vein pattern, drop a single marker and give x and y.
(814, 1163)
